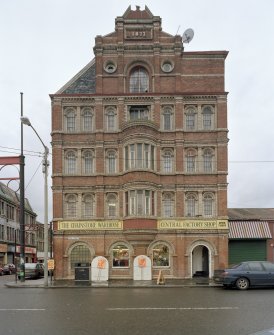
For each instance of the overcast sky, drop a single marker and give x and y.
(44, 43)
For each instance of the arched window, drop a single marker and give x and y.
(139, 80)
(70, 116)
(79, 254)
(208, 160)
(191, 161)
(110, 119)
(88, 206)
(208, 201)
(161, 255)
(120, 256)
(191, 118)
(87, 119)
(111, 205)
(191, 205)
(168, 204)
(70, 162)
(167, 118)
(71, 206)
(167, 161)
(111, 161)
(207, 118)
(88, 162)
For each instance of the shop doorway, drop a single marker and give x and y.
(200, 261)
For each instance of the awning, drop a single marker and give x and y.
(249, 229)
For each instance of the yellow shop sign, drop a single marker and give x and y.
(192, 224)
(90, 225)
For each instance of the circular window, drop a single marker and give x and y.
(110, 67)
(167, 66)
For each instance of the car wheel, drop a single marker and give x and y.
(242, 283)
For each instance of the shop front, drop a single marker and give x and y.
(177, 248)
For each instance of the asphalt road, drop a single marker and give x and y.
(132, 311)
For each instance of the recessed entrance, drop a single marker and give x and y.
(200, 261)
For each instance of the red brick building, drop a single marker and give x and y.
(139, 139)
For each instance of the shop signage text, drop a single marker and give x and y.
(90, 225)
(192, 224)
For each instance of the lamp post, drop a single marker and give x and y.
(22, 203)
(26, 121)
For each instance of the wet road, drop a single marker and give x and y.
(187, 311)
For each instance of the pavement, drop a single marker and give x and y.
(114, 283)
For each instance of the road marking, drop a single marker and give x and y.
(21, 309)
(169, 308)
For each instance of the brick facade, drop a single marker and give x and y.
(139, 137)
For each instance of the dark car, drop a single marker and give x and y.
(33, 270)
(1, 271)
(246, 274)
(8, 269)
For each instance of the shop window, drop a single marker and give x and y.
(79, 254)
(120, 256)
(160, 255)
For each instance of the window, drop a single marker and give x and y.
(120, 256)
(208, 205)
(111, 161)
(111, 119)
(207, 118)
(139, 156)
(111, 205)
(79, 254)
(140, 203)
(70, 115)
(70, 162)
(167, 161)
(71, 206)
(167, 118)
(88, 162)
(191, 161)
(139, 113)
(168, 205)
(191, 205)
(160, 255)
(139, 80)
(208, 160)
(190, 118)
(87, 119)
(88, 206)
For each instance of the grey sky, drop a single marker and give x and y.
(44, 43)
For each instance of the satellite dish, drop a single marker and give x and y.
(188, 35)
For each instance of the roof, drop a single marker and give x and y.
(249, 230)
(82, 83)
(251, 214)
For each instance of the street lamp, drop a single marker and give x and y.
(26, 121)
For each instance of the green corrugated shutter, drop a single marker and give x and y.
(246, 250)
